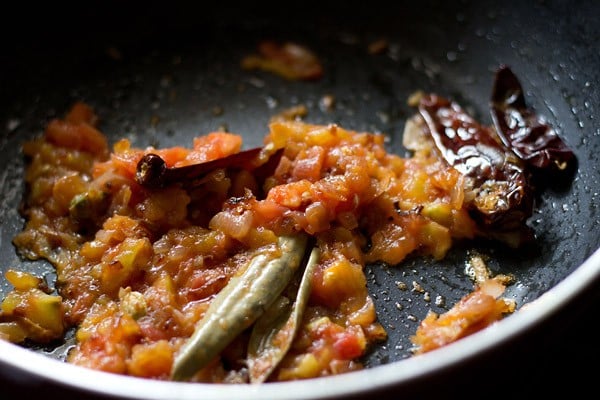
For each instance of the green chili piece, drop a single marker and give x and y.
(274, 331)
(239, 304)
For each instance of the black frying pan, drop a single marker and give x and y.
(156, 74)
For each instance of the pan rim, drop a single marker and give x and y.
(352, 383)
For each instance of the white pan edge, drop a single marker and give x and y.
(31, 367)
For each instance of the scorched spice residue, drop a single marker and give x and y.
(149, 270)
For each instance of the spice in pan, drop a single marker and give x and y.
(239, 304)
(496, 183)
(152, 170)
(274, 332)
(527, 134)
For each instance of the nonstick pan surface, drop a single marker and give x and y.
(165, 73)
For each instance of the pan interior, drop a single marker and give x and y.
(160, 82)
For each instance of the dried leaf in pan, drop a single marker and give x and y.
(239, 304)
(274, 331)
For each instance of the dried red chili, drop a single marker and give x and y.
(503, 197)
(528, 135)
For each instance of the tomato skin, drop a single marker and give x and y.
(347, 345)
(310, 166)
(212, 146)
(78, 136)
(81, 112)
(289, 60)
